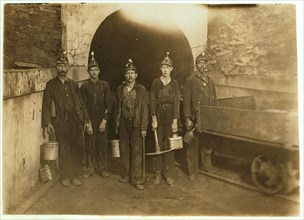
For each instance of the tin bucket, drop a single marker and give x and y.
(175, 142)
(50, 150)
(115, 148)
(189, 137)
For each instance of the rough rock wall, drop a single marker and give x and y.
(32, 34)
(255, 40)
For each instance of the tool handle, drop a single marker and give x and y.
(156, 141)
(144, 160)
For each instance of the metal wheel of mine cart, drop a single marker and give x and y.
(268, 174)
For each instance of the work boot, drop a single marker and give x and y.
(125, 179)
(76, 182)
(169, 180)
(139, 186)
(157, 178)
(85, 176)
(66, 182)
(104, 174)
(192, 177)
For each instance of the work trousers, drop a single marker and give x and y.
(131, 150)
(96, 149)
(197, 151)
(164, 162)
(71, 144)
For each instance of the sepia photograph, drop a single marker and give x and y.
(151, 110)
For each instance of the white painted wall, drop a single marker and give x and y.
(22, 132)
(22, 137)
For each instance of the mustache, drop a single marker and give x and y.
(62, 71)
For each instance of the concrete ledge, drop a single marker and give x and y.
(23, 82)
(36, 196)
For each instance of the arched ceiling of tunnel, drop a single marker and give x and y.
(118, 39)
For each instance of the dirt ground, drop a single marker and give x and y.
(205, 197)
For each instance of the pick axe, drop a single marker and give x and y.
(157, 148)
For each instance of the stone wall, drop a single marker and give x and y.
(252, 50)
(32, 35)
(255, 40)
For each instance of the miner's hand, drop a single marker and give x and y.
(154, 122)
(189, 124)
(50, 129)
(103, 125)
(174, 126)
(143, 133)
(88, 128)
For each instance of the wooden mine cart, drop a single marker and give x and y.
(268, 139)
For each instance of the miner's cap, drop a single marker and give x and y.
(63, 59)
(130, 65)
(92, 61)
(167, 60)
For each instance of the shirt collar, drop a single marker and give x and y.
(200, 76)
(67, 80)
(134, 87)
(97, 82)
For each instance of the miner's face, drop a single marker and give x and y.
(62, 69)
(202, 66)
(166, 70)
(94, 72)
(130, 75)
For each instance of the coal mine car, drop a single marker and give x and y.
(267, 139)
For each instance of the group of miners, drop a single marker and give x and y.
(77, 118)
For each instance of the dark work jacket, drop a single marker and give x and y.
(175, 97)
(96, 97)
(52, 93)
(193, 98)
(140, 119)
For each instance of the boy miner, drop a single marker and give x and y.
(64, 114)
(96, 97)
(165, 104)
(131, 124)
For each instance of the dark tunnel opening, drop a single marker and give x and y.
(118, 39)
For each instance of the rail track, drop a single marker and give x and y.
(292, 197)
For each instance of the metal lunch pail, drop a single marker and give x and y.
(175, 142)
(115, 148)
(50, 150)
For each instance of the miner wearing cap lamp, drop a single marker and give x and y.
(96, 97)
(131, 125)
(64, 114)
(199, 89)
(165, 104)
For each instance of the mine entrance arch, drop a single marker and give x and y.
(117, 39)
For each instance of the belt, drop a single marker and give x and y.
(164, 105)
(128, 119)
